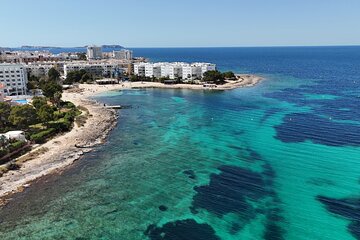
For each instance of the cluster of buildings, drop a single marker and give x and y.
(96, 53)
(17, 66)
(27, 57)
(174, 70)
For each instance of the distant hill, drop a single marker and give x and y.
(38, 47)
(109, 46)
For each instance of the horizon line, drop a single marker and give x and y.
(260, 46)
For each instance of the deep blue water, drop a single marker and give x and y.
(280, 160)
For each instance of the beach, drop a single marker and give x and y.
(63, 150)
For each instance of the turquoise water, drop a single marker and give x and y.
(276, 161)
(21, 101)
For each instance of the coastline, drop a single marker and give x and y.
(62, 151)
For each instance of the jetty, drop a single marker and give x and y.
(114, 107)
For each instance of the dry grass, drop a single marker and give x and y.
(81, 119)
(32, 155)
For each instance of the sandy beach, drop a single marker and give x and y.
(62, 151)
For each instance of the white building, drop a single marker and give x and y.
(96, 68)
(184, 71)
(15, 135)
(171, 71)
(14, 78)
(39, 69)
(123, 54)
(152, 70)
(94, 52)
(139, 69)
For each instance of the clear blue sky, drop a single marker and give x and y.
(179, 23)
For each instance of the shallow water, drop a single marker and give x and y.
(276, 161)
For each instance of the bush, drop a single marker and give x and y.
(3, 152)
(43, 135)
(61, 125)
(16, 145)
(68, 105)
(58, 115)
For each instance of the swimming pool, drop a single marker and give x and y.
(21, 101)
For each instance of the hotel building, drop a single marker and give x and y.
(123, 54)
(42, 69)
(96, 68)
(184, 71)
(94, 52)
(14, 79)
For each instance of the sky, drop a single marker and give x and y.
(179, 23)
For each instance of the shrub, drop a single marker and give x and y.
(43, 135)
(3, 152)
(61, 125)
(16, 145)
(58, 115)
(68, 105)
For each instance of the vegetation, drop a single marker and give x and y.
(80, 76)
(40, 121)
(51, 90)
(22, 116)
(5, 110)
(42, 136)
(229, 75)
(214, 77)
(44, 118)
(217, 77)
(53, 75)
(136, 78)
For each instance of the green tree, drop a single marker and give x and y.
(86, 78)
(33, 82)
(38, 102)
(23, 116)
(214, 77)
(45, 113)
(53, 74)
(5, 110)
(50, 88)
(57, 98)
(75, 76)
(229, 75)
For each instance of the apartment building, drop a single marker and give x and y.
(29, 57)
(39, 69)
(123, 54)
(174, 70)
(171, 71)
(96, 68)
(94, 52)
(14, 79)
(139, 69)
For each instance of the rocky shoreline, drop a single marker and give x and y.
(62, 150)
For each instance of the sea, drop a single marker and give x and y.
(280, 160)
